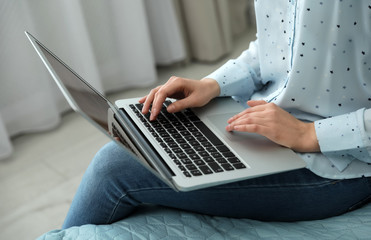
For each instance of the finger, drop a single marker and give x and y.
(257, 119)
(143, 99)
(253, 128)
(179, 105)
(148, 100)
(247, 111)
(171, 88)
(157, 105)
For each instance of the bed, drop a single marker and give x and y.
(152, 222)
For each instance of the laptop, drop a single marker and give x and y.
(187, 150)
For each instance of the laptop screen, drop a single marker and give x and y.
(88, 100)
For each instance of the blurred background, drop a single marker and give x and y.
(123, 48)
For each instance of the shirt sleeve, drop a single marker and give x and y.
(240, 77)
(345, 138)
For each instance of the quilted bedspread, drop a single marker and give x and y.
(163, 223)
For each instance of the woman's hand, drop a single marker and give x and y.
(191, 93)
(273, 122)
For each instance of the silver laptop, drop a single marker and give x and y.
(188, 150)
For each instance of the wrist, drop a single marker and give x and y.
(212, 85)
(309, 141)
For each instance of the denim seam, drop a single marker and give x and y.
(115, 208)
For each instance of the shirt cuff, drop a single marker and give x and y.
(341, 138)
(234, 79)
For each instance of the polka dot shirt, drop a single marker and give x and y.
(313, 59)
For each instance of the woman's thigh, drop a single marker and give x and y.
(118, 184)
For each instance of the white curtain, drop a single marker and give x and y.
(112, 44)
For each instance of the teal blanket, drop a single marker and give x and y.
(163, 223)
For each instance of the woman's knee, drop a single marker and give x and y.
(113, 165)
(111, 160)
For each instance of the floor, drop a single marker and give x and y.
(38, 182)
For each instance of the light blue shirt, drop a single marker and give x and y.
(313, 59)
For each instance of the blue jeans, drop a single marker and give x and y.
(114, 185)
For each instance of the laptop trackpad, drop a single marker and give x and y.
(236, 139)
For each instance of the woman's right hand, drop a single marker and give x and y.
(188, 92)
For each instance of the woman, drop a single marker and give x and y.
(307, 81)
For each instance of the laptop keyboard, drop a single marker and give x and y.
(193, 147)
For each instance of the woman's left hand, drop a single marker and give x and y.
(276, 124)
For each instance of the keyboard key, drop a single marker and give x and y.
(197, 134)
(206, 144)
(201, 139)
(184, 145)
(192, 129)
(227, 166)
(208, 159)
(172, 130)
(189, 138)
(186, 161)
(194, 157)
(164, 135)
(221, 160)
(180, 140)
(211, 149)
(223, 148)
(188, 124)
(139, 106)
(187, 174)
(189, 151)
(208, 133)
(168, 126)
(182, 168)
(204, 154)
(205, 169)
(168, 139)
(177, 124)
(196, 172)
(177, 162)
(199, 162)
(239, 165)
(172, 145)
(233, 160)
(194, 143)
(180, 128)
(159, 129)
(176, 135)
(215, 167)
(177, 150)
(181, 155)
(216, 155)
(228, 154)
(191, 166)
(198, 148)
(185, 133)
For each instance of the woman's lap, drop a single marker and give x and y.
(115, 184)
